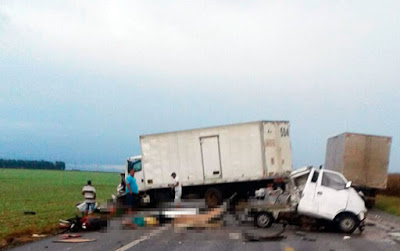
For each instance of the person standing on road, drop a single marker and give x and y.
(131, 190)
(89, 193)
(177, 187)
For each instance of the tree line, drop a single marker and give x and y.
(32, 164)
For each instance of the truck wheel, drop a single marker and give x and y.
(347, 223)
(213, 197)
(263, 220)
(370, 203)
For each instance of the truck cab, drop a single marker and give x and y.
(326, 194)
(135, 162)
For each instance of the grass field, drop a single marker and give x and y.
(389, 200)
(51, 194)
(389, 204)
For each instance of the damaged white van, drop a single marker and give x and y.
(319, 194)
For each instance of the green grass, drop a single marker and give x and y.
(51, 194)
(389, 204)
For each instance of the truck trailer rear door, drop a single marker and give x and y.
(211, 157)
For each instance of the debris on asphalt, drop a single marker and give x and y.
(396, 240)
(346, 237)
(71, 236)
(78, 240)
(199, 220)
(234, 236)
(300, 233)
(86, 223)
(395, 236)
(257, 236)
(140, 221)
(93, 223)
(304, 238)
(150, 221)
(38, 235)
(134, 222)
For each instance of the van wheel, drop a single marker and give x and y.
(263, 220)
(213, 197)
(347, 223)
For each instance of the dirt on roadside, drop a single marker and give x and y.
(26, 235)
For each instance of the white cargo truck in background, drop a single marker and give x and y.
(213, 162)
(361, 158)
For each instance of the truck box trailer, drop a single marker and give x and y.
(216, 161)
(361, 158)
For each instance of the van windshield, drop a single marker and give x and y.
(333, 180)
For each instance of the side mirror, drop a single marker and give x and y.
(348, 184)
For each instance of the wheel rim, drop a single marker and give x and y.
(263, 220)
(347, 224)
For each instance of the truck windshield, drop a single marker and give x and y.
(136, 165)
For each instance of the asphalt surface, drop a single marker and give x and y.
(230, 237)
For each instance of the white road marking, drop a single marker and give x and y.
(143, 238)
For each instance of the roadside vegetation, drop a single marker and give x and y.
(393, 185)
(389, 199)
(31, 164)
(389, 204)
(51, 194)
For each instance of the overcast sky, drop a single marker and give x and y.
(81, 80)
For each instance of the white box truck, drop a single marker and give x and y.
(213, 162)
(361, 158)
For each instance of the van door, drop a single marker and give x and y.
(307, 203)
(211, 157)
(332, 195)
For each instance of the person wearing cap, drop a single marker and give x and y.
(89, 193)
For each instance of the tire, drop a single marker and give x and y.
(370, 203)
(347, 223)
(263, 220)
(213, 197)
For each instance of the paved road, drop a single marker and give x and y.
(230, 238)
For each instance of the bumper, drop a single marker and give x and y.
(362, 216)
